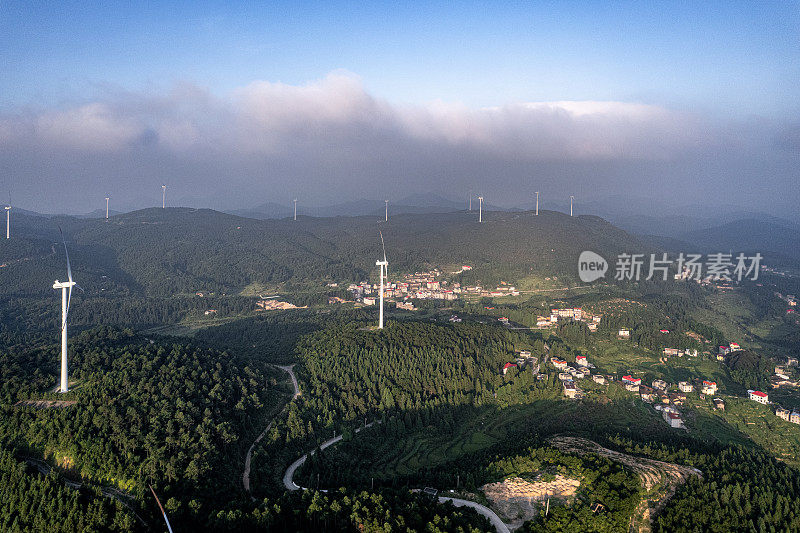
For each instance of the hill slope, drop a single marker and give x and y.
(162, 252)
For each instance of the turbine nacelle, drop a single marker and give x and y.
(63, 284)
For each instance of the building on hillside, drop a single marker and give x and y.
(758, 396)
(508, 366)
(647, 394)
(664, 331)
(659, 384)
(734, 347)
(782, 413)
(570, 390)
(210, 312)
(624, 333)
(709, 387)
(720, 357)
(724, 350)
(597, 378)
(632, 387)
(503, 319)
(632, 380)
(559, 364)
(685, 386)
(794, 418)
(368, 300)
(719, 404)
(672, 351)
(597, 318)
(565, 376)
(673, 419)
(581, 360)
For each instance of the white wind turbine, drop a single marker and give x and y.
(66, 296)
(8, 220)
(295, 208)
(386, 219)
(537, 203)
(107, 197)
(163, 197)
(384, 272)
(571, 198)
(480, 208)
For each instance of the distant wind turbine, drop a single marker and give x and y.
(537, 203)
(163, 197)
(470, 199)
(107, 207)
(8, 220)
(480, 208)
(295, 208)
(383, 265)
(387, 210)
(570, 204)
(66, 296)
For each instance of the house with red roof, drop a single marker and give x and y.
(632, 380)
(507, 366)
(559, 364)
(709, 387)
(758, 396)
(581, 360)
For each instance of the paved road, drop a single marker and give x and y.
(289, 369)
(288, 482)
(498, 524)
(249, 456)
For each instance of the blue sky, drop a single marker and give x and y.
(733, 58)
(236, 104)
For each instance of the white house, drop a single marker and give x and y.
(685, 386)
(709, 387)
(758, 396)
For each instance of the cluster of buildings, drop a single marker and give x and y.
(425, 286)
(569, 374)
(575, 313)
(790, 299)
(783, 377)
(784, 414)
(524, 360)
(678, 352)
(421, 285)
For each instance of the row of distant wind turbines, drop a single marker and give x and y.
(66, 286)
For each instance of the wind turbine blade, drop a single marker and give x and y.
(69, 268)
(382, 245)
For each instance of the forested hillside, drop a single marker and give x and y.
(164, 252)
(174, 415)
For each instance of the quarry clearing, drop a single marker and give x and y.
(516, 499)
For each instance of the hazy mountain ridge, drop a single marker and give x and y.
(182, 250)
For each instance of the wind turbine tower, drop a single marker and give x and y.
(8, 221)
(163, 197)
(470, 199)
(570, 204)
(107, 207)
(295, 208)
(537, 203)
(480, 208)
(66, 296)
(383, 265)
(387, 210)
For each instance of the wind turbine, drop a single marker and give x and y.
(163, 197)
(537, 203)
(107, 207)
(8, 220)
(295, 208)
(66, 296)
(470, 199)
(384, 271)
(387, 210)
(570, 204)
(480, 208)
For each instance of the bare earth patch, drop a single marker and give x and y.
(659, 479)
(516, 499)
